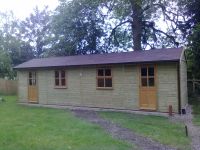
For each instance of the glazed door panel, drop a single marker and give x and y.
(148, 89)
(32, 87)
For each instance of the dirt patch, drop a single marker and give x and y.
(193, 131)
(118, 132)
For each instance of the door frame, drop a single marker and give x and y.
(155, 86)
(36, 86)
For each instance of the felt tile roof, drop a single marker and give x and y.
(156, 55)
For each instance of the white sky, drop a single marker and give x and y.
(22, 8)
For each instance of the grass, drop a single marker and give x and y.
(196, 109)
(158, 128)
(23, 128)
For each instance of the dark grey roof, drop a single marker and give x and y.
(156, 55)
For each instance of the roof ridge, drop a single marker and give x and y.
(109, 53)
(155, 55)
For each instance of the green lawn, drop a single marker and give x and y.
(27, 128)
(196, 109)
(196, 113)
(157, 128)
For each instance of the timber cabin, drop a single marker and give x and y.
(149, 80)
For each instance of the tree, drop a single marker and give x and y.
(10, 40)
(19, 51)
(35, 30)
(144, 18)
(191, 29)
(5, 59)
(114, 24)
(5, 65)
(13, 50)
(78, 28)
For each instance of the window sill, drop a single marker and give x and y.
(60, 87)
(104, 88)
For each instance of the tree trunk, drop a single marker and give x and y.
(136, 24)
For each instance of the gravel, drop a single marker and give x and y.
(118, 132)
(193, 131)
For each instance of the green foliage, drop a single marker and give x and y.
(195, 102)
(50, 129)
(23, 40)
(83, 26)
(78, 27)
(147, 14)
(13, 50)
(5, 65)
(21, 53)
(191, 28)
(36, 31)
(194, 45)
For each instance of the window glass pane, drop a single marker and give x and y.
(30, 81)
(151, 82)
(100, 82)
(144, 71)
(63, 82)
(144, 81)
(57, 82)
(33, 82)
(107, 72)
(63, 74)
(30, 75)
(56, 74)
(100, 72)
(151, 71)
(108, 82)
(34, 75)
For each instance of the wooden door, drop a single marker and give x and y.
(32, 87)
(148, 88)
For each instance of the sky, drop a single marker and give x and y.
(22, 8)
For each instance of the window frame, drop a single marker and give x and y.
(104, 77)
(148, 77)
(60, 78)
(33, 78)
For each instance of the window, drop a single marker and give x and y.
(148, 76)
(60, 78)
(32, 78)
(104, 78)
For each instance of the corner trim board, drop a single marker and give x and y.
(179, 88)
